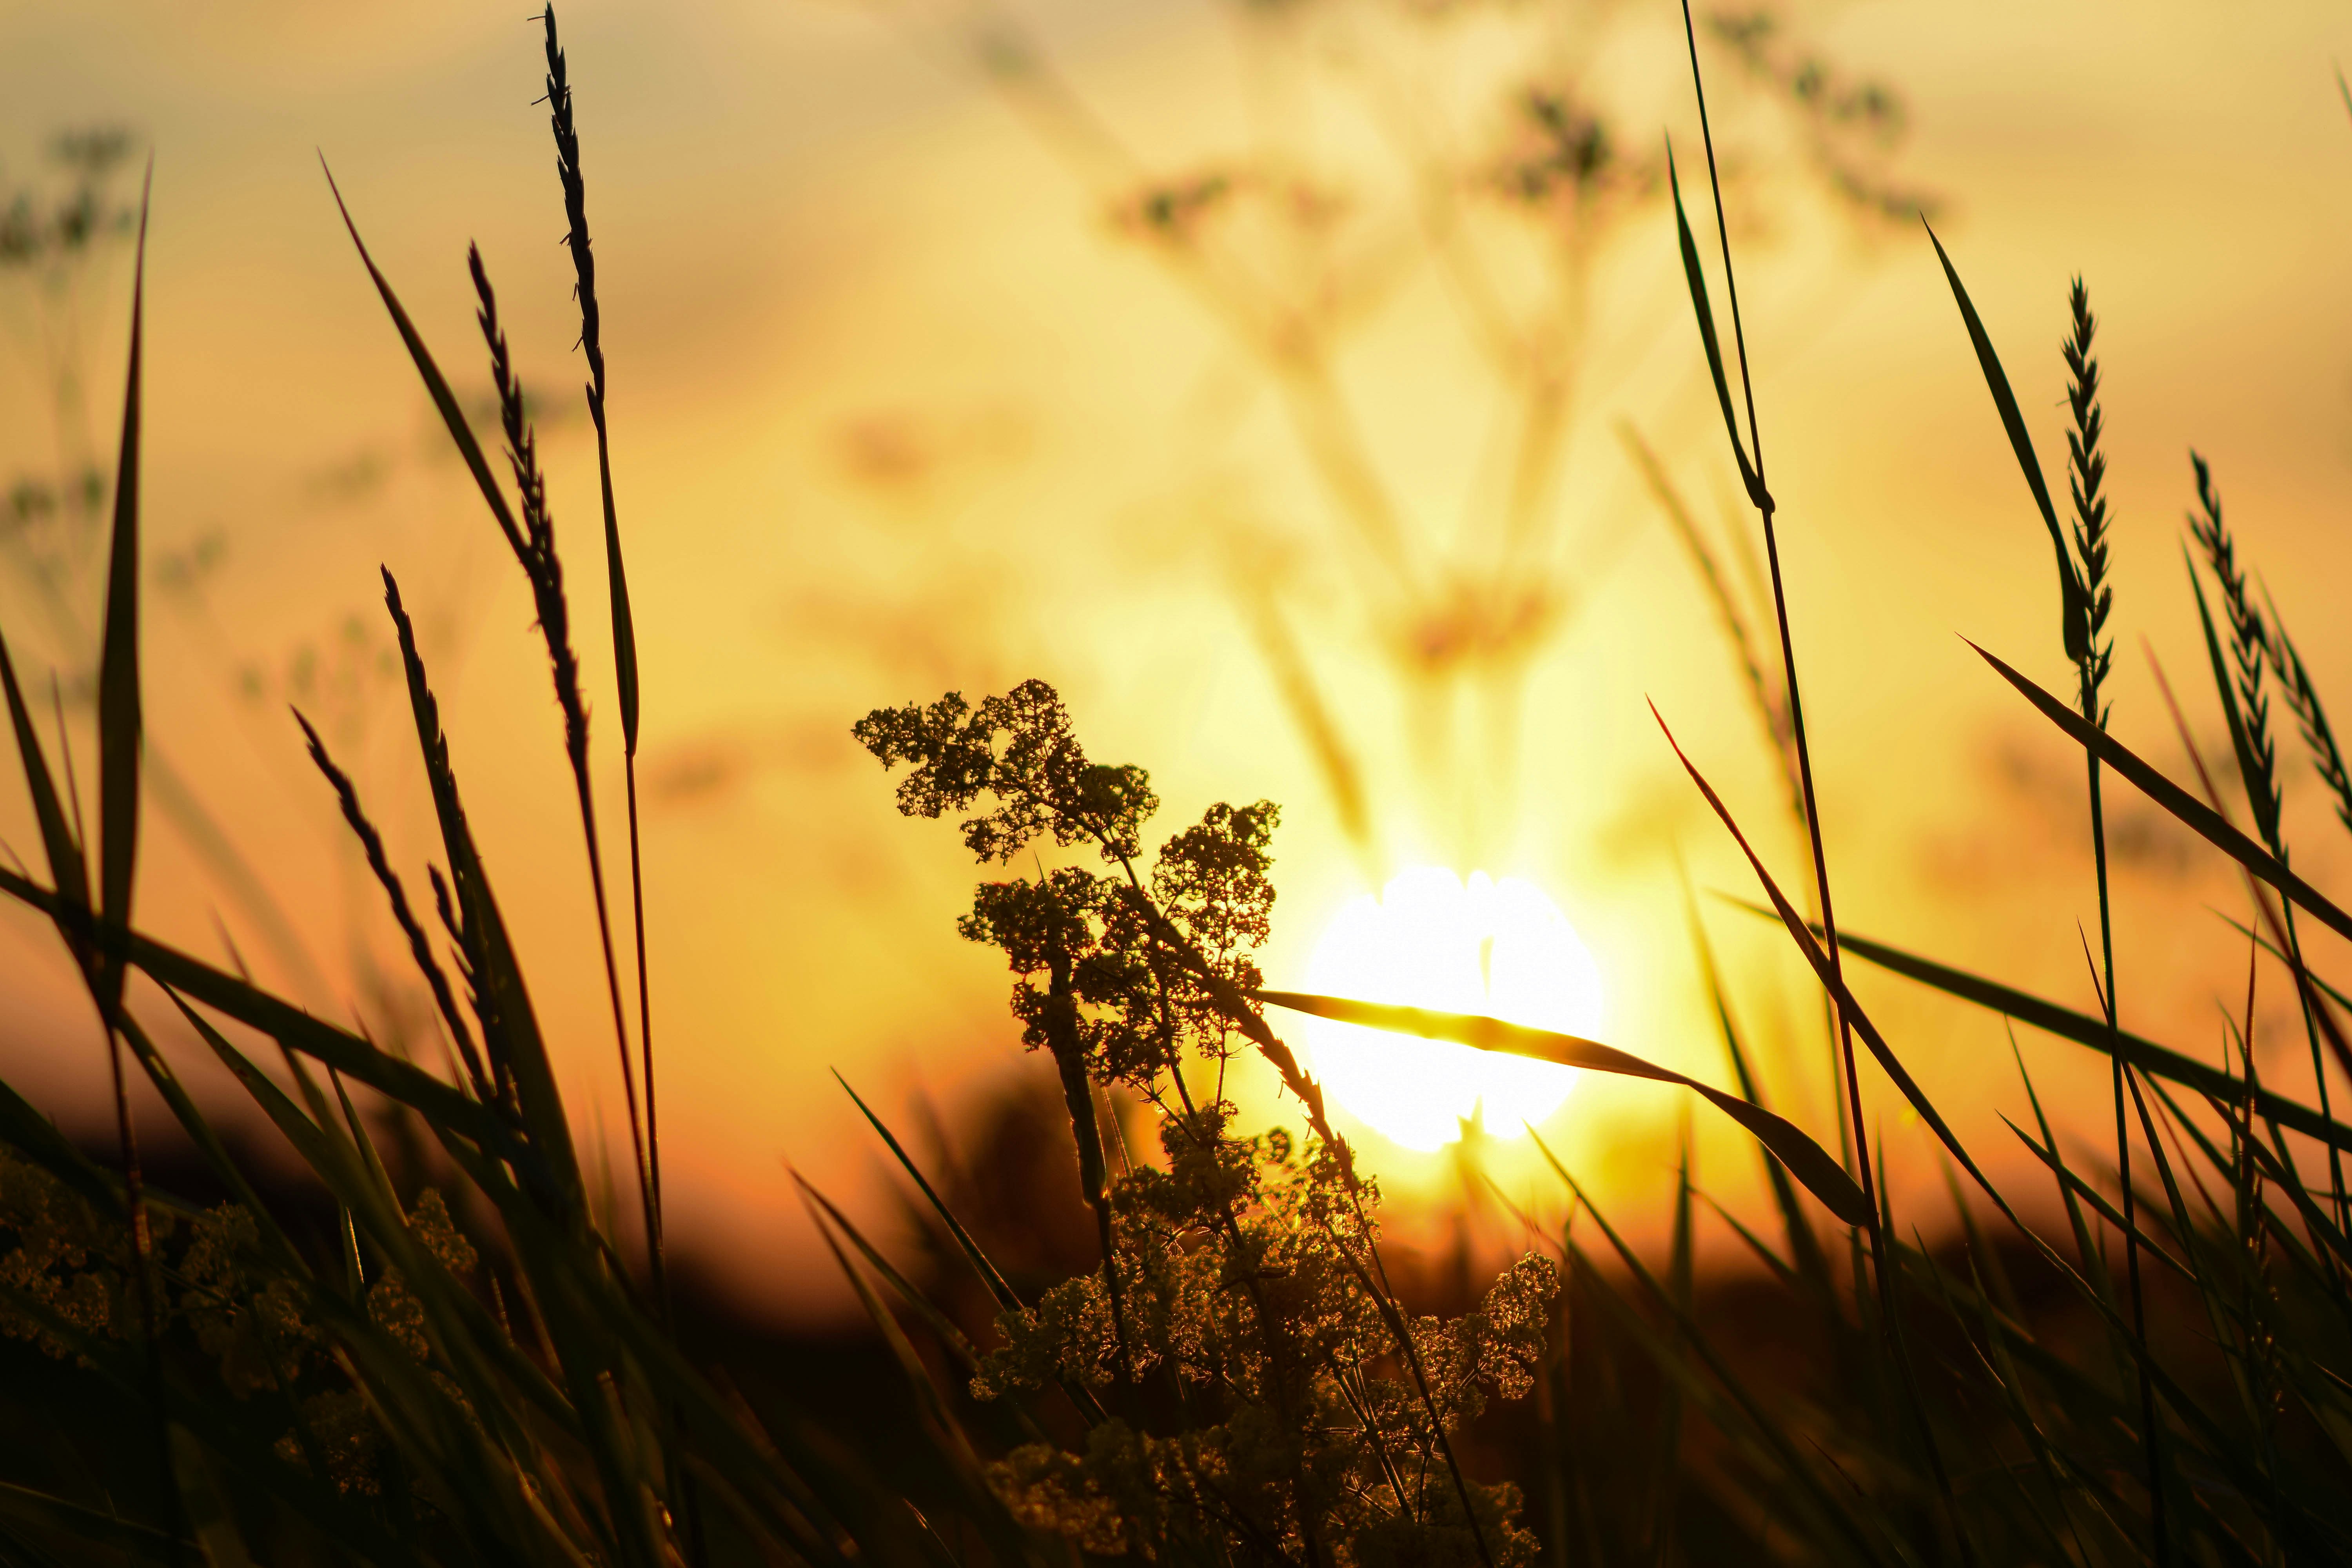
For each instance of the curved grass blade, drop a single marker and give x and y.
(2099, 1204)
(69, 871)
(2139, 1052)
(941, 1427)
(1696, 276)
(943, 1328)
(1804, 1247)
(435, 384)
(1718, 1383)
(1826, 969)
(930, 1398)
(983, 1264)
(1807, 1161)
(510, 1032)
(442, 1105)
(419, 948)
(2208, 824)
(2075, 599)
(990, 1275)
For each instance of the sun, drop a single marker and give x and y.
(1431, 941)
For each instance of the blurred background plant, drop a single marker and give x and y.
(1504, 155)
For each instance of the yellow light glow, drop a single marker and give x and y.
(1500, 947)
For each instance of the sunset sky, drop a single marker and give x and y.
(905, 399)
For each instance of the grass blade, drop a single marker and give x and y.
(1771, 711)
(1768, 1433)
(2207, 823)
(997, 1286)
(943, 1328)
(35, 1138)
(119, 716)
(510, 1029)
(1007, 1300)
(119, 736)
(92, 1525)
(2073, 598)
(2099, 1204)
(1804, 1247)
(2140, 1053)
(1696, 276)
(297, 1030)
(420, 949)
(437, 385)
(1825, 968)
(69, 871)
(1807, 1161)
(2094, 1263)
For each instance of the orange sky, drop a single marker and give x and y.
(897, 409)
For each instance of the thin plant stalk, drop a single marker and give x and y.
(2087, 468)
(625, 638)
(120, 723)
(1762, 496)
(1766, 511)
(1771, 713)
(534, 543)
(625, 669)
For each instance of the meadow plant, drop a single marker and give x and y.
(1383, 142)
(1300, 1415)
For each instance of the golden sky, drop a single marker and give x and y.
(901, 402)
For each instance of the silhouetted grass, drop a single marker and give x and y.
(442, 1351)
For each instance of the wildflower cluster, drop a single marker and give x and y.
(65, 1286)
(61, 1263)
(1125, 975)
(1251, 1389)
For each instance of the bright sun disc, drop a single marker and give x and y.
(1429, 941)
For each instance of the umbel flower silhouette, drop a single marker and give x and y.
(1249, 1389)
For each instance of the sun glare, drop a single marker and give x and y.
(1500, 947)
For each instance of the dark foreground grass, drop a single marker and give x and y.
(443, 1347)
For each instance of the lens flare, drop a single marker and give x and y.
(1500, 947)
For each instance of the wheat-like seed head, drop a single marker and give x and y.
(2087, 472)
(2250, 643)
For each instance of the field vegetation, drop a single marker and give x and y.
(457, 1340)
